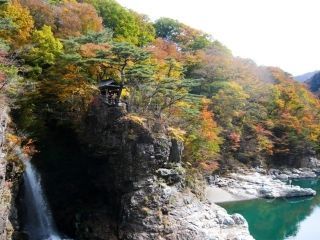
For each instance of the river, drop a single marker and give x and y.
(282, 219)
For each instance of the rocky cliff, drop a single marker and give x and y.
(10, 172)
(137, 168)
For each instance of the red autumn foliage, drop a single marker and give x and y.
(235, 139)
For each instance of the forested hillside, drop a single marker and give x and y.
(226, 109)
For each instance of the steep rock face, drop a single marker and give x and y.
(139, 167)
(127, 147)
(161, 211)
(10, 172)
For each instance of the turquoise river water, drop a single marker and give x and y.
(282, 219)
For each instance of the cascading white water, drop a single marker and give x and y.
(39, 224)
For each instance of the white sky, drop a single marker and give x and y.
(283, 33)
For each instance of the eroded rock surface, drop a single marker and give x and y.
(139, 166)
(294, 173)
(9, 183)
(160, 211)
(252, 184)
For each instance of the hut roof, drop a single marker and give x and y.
(108, 84)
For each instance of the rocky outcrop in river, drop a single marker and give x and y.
(257, 183)
(294, 173)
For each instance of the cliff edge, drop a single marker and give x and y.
(10, 173)
(140, 170)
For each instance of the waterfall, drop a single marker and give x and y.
(39, 224)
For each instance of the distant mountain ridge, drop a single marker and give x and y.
(306, 76)
(314, 83)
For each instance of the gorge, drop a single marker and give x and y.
(131, 199)
(116, 127)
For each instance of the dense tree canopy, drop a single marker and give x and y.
(188, 38)
(126, 25)
(22, 24)
(226, 109)
(42, 12)
(46, 48)
(74, 19)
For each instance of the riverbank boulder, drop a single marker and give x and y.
(256, 185)
(293, 173)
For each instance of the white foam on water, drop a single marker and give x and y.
(39, 224)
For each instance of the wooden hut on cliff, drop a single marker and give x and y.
(110, 91)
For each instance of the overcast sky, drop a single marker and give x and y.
(283, 33)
